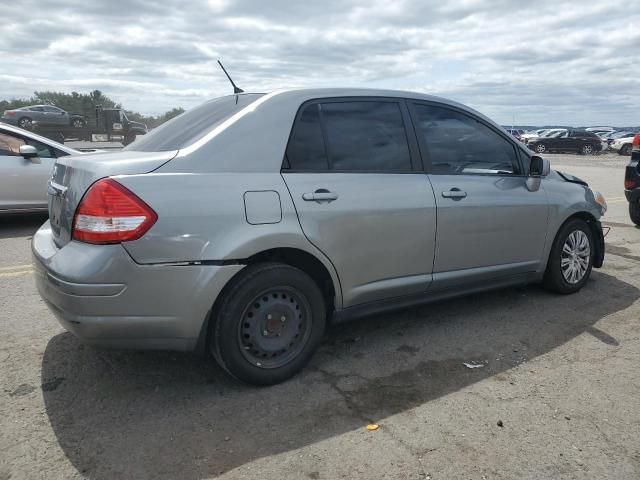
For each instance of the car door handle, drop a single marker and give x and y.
(454, 193)
(320, 195)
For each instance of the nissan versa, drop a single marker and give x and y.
(245, 225)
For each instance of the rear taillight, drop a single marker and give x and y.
(636, 143)
(629, 184)
(110, 213)
(8, 113)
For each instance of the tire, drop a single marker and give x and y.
(561, 281)
(128, 139)
(587, 150)
(268, 323)
(78, 123)
(634, 213)
(625, 150)
(25, 122)
(540, 148)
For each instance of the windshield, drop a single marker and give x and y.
(192, 125)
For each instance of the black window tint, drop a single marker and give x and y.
(366, 136)
(306, 150)
(459, 144)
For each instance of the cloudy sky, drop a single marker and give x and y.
(540, 62)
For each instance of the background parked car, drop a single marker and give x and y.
(516, 132)
(44, 115)
(623, 143)
(533, 134)
(579, 141)
(26, 163)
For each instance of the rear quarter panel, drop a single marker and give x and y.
(202, 217)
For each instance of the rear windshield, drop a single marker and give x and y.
(185, 129)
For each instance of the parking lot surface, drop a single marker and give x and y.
(556, 395)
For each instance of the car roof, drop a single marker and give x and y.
(47, 141)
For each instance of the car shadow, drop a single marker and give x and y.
(24, 225)
(167, 415)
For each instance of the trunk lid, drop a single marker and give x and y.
(73, 175)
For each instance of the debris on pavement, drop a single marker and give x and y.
(500, 424)
(473, 365)
(373, 426)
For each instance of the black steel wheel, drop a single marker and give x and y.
(268, 322)
(275, 327)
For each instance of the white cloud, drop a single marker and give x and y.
(544, 62)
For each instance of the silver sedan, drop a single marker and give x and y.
(246, 225)
(26, 164)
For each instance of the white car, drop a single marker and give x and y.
(26, 163)
(622, 145)
(533, 134)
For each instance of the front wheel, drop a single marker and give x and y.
(634, 212)
(270, 321)
(541, 148)
(571, 258)
(78, 123)
(625, 150)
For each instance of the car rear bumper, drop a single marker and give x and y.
(102, 296)
(9, 120)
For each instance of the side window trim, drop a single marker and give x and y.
(424, 149)
(410, 133)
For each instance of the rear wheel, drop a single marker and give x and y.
(541, 148)
(571, 258)
(634, 213)
(25, 122)
(587, 149)
(270, 321)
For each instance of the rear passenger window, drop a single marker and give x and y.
(366, 136)
(306, 150)
(459, 144)
(350, 136)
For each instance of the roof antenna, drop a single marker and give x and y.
(236, 90)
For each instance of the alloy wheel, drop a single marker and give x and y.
(575, 257)
(541, 148)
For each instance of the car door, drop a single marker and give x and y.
(352, 170)
(37, 114)
(489, 224)
(56, 116)
(23, 182)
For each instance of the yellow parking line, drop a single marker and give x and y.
(16, 273)
(15, 267)
(617, 200)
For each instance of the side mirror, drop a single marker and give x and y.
(540, 167)
(28, 151)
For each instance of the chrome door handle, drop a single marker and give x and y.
(320, 195)
(454, 193)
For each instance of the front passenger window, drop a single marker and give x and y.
(459, 144)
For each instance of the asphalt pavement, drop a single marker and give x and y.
(555, 396)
